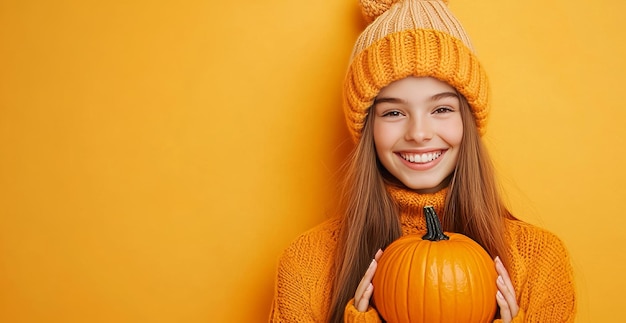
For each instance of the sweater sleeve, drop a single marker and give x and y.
(290, 300)
(302, 289)
(544, 278)
(352, 315)
(554, 299)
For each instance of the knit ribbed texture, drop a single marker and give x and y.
(412, 38)
(412, 216)
(541, 271)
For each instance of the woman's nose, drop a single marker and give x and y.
(419, 129)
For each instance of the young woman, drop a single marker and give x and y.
(416, 102)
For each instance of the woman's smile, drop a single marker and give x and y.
(420, 158)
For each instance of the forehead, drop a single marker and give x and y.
(415, 86)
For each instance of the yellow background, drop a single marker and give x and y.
(157, 156)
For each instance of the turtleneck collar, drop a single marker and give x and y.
(412, 204)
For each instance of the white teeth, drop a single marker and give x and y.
(421, 158)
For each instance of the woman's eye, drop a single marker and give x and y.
(392, 114)
(443, 110)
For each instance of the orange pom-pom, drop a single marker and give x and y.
(371, 9)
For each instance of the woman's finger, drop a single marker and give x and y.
(364, 302)
(505, 274)
(508, 294)
(505, 289)
(378, 254)
(361, 298)
(505, 312)
(365, 289)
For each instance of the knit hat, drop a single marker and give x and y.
(411, 38)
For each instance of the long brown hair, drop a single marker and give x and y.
(371, 218)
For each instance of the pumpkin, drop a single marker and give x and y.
(435, 278)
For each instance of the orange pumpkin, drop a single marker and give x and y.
(435, 278)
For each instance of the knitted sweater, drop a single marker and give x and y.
(540, 269)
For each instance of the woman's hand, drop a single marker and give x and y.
(506, 294)
(365, 289)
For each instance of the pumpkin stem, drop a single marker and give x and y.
(434, 232)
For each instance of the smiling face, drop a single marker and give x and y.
(418, 131)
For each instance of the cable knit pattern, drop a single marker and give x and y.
(541, 271)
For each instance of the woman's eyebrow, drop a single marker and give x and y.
(388, 100)
(444, 95)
